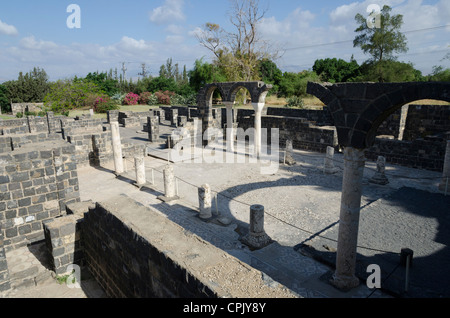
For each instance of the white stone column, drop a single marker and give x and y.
(205, 201)
(344, 276)
(117, 148)
(230, 126)
(169, 183)
(445, 182)
(258, 107)
(329, 161)
(139, 163)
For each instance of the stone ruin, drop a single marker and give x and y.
(40, 192)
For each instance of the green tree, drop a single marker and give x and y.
(204, 73)
(336, 70)
(295, 84)
(30, 87)
(106, 83)
(393, 71)
(381, 43)
(4, 102)
(440, 74)
(65, 95)
(270, 74)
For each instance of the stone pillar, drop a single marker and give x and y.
(230, 126)
(153, 128)
(257, 237)
(51, 123)
(169, 185)
(258, 113)
(329, 167)
(344, 277)
(289, 151)
(379, 177)
(205, 201)
(117, 148)
(139, 163)
(445, 182)
(174, 117)
(91, 112)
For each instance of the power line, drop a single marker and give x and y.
(351, 41)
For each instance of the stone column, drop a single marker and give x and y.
(344, 277)
(51, 123)
(153, 128)
(257, 237)
(445, 182)
(170, 193)
(139, 163)
(205, 201)
(117, 148)
(258, 113)
(329, 163)
(91, 112)
(379, 177)
(289, 153)
(230, 126)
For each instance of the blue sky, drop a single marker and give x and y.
(35, 33)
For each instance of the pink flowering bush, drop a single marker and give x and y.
(131, 99)
(144, 98)
(103, 103)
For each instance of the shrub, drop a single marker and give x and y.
(19, 115)
(144, 98)
(118, 98)
(164, 97)
(295, 101)
(103, 104)
(131, 99)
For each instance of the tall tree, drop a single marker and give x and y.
(381, 43)
(239, 51)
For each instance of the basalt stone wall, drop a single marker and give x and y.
(36, 183)
(4, 273)
(420, 153)
(426, 120)
(303, 134)
(318, 117)
(158, 258)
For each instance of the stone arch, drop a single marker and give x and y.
(358, 109)
(391, 102)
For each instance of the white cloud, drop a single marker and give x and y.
(171, 11)
(7, 29)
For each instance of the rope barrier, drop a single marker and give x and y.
(268, 213)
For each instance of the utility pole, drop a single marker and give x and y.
(144, 70)
(124, 71)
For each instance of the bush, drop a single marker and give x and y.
(19, 115)
(164, 97)
(144, 98)
(295, 101)
(118, 98)
(131, 99)
(103, 104)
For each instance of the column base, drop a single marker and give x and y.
(380, 179)
(257, 241)
(344, 283)
(167, 199)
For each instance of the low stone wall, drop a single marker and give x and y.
(4, 272)
(303, 134)
(318, 117)
(419, 154)
(133, 251)
(24, 107)
(36, 183)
